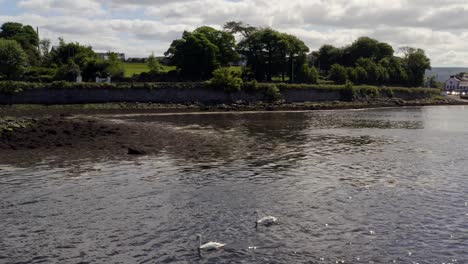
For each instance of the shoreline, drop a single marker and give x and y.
(40, 111)
(86, 130)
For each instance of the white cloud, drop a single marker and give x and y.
(138, 27)
(81, 7)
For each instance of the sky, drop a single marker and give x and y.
(139, 27)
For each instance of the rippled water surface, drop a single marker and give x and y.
(368, 186)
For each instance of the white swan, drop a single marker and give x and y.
(210, 246)
(266, 221)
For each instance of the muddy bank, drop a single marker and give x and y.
(72, 136)
(78, 130)
(30, 140)
(135, 108)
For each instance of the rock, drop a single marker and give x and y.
(51, 132)
(132, 151)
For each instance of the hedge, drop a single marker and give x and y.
(12, 87)
(272, 91)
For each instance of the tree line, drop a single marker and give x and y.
(24, 57)
(263, 54)
(368, 61)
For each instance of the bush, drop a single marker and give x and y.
(171, 76)
(39, 74)
(224, 78)
(269, 90)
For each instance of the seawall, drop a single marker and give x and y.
(73, 95)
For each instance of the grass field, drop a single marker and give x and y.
(137, 68)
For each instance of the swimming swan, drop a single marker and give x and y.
(265, 221)
(210, 246)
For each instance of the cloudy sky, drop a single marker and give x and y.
(138, 27)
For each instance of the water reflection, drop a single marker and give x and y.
(374, 186)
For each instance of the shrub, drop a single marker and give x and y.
(272, 93)
(224, 78)
(269, 90)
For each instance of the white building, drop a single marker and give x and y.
(456, 83)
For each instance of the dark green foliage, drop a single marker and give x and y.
(270, 91)
(225, 43)
(197, 54)
(271, 53)
(338, 74)
(224, 78)
(65, 52)
(234, 27)
(26, 36)
(352, 75)
(171, 76)
(327, 56)
(306, 74)
(39, 74)
(13, 60)
(416, 63)
(375, 63)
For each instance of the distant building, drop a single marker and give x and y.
(457, 83)
(105, 56)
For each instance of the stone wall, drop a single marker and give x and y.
(164, 95)
(168, 95)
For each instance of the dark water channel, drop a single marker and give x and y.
(368, 186)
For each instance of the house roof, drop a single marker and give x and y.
(459, 79)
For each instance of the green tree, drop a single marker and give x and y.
(80, 54)
(416, 63)
(13, 59)
(26, 36)
(352, 75)
(396, 71)
(361, 75)
(73, 59)
(296, 54)
(271, 53)
(327, 56)
(115, 67)
(307, 74)
(224, 41)
(197, 54)
(153, 64)
(371, 69)
(234, 27)
(369, 48)
(338, 74)
(68, 71)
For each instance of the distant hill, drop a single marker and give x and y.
(443, 73)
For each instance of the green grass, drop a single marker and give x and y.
(137, 68)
